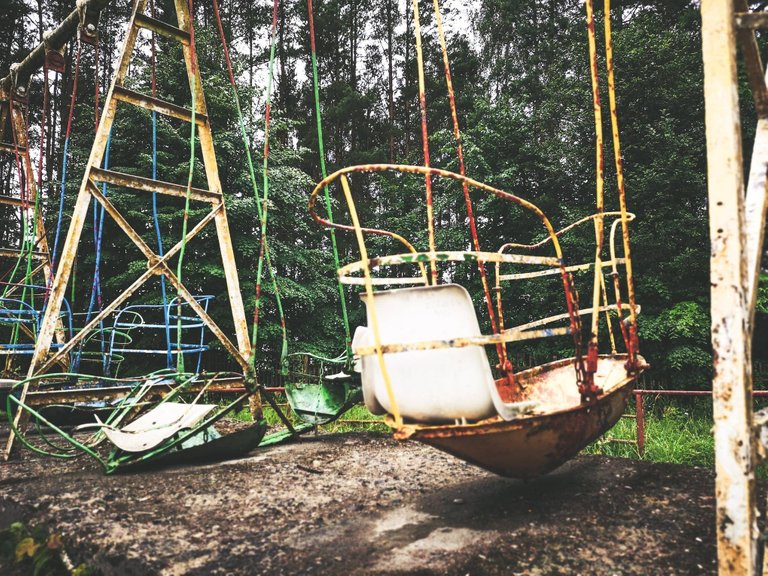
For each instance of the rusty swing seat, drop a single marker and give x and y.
(449, 399)
(422, 356)
(557, 427)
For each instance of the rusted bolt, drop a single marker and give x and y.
(152, 262)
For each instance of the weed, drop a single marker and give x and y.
(33, 550)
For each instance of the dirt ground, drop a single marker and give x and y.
(362, 503)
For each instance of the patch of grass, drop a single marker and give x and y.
(673, 433)
(357, 419)
(242, 415)
(676, 432)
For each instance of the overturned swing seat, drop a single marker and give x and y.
(156, 426)
(320, 389)
(168, 431)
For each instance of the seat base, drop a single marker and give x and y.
(553, 433)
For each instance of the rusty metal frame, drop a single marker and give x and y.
(14, 111)
(155, 265)
(439, 256)
(96, 391)
(584, 379)
(736, 234)
(19, 126)
(54, 40)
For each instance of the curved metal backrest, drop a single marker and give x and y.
(432, 258)
(537, 327)
(22, 312)
(174, 316)
(15, 311)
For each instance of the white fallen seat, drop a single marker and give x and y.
(153, 428)
(438, 385)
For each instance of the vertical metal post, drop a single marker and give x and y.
(19, 128)
(214, 184)
(41, 242)
(732, 381)
(640, 420)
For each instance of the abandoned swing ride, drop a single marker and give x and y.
(422, 356)
(423, 359)
(426, 369)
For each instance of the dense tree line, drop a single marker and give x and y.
(520, 71)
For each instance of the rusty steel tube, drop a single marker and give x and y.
(640, 422)
(755, 393)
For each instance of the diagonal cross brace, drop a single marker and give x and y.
(163, 264)
(756, 201)
(155, 265)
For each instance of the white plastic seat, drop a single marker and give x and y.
(439, 385)
(153, 428)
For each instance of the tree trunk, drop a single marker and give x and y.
(390, 84)
(406, 102)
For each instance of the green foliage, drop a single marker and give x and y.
(687, 321)
(356, 419)
(683, 332)
(522, 85)
(762, 294)
(33, 550)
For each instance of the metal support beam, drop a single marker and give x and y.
(756, 211)
(11, 149)
(15, 253)
(753, 63)
(157, 105)
(9, 201)
(41, 241)
(41, 360)
(751, 20)
(153, 186)
(732, 381)
(162, 28)
(214, 184)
